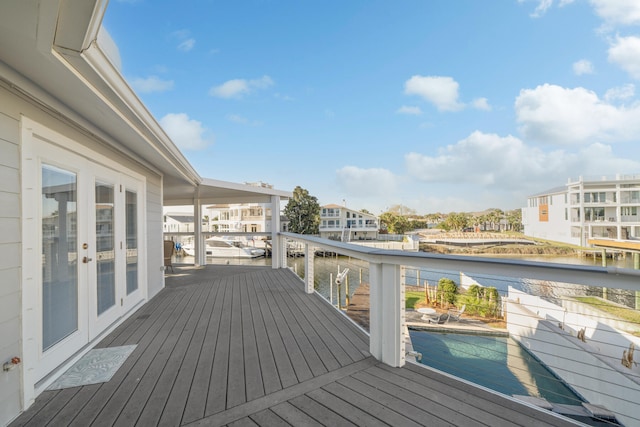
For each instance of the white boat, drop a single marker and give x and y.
(225, 248)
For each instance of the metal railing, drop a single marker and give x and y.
(580, 322)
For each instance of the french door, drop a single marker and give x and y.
(89, 245)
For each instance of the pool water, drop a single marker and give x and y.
(497, 363)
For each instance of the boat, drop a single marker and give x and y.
(226, 248)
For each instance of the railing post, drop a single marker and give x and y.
(198, 242)
(283, 243)
(386, 316)
(309, 273)
(275, 237)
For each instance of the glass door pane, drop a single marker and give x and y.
(131, 219)
(59, 255)
(105, 247)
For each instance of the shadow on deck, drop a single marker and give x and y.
(236, 345)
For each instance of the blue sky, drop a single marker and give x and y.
(437, 105)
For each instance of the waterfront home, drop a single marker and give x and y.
(344, 224)
(178, 223)
(86, 170)
(601, 212)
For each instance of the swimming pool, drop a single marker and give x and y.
(497, 363)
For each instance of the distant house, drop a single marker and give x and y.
(344, 224)
(588, 212)
(86, 171)
(178, 223)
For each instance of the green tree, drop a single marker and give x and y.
(457, 221)
(514, 219)
(303, 212)
(396, 224)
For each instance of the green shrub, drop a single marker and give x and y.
(447, 290)
(481, 301)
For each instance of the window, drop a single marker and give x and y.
(629, 210)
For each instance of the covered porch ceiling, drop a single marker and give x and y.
(212, 191)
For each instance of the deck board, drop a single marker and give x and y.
(196, 402)
(239, 346)
(270, 378)
(175, 406)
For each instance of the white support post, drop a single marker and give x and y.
(386, 314)
(309, 273)
(276, 258)
(198, 241)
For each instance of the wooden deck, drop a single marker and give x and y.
(245, 346)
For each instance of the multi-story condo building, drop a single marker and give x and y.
(244, 218)
(340, 223)
(588, 212)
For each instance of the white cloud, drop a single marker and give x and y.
(582, 66)
(481, 104)
(237, 88)
(151, 84)
(625, 52)
(507, 163)
(411, 110)
(366, 182)
(241, 120)
(618, 12)
(187, 45)
(555, 115)
(186, 133)
(544, 5)
(625, 92)
(185, 41)
(439, 90)
(541, 9)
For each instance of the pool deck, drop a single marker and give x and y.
(464, 325)
(245, 346)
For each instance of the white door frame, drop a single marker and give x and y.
(41, 145)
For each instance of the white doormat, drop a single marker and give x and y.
(97, 366)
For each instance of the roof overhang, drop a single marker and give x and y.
(212, 191)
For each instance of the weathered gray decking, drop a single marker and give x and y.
(245, 346)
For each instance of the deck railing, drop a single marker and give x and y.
(580, 322)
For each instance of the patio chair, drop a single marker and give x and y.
(440, 319)
(455, 314)
(169, 247)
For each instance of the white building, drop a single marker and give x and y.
(178, 223)
(587, 212)
(344, 224)
(240, 218)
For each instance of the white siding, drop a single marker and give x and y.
(12, 108)
(155, 258)
(10, 302)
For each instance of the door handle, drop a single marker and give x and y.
(86, 260)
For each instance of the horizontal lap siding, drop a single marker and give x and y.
(154, 236)
(10, 249)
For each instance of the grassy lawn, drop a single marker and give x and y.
(624, 313)
(414, 299)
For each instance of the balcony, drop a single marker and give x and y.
(261, 346)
